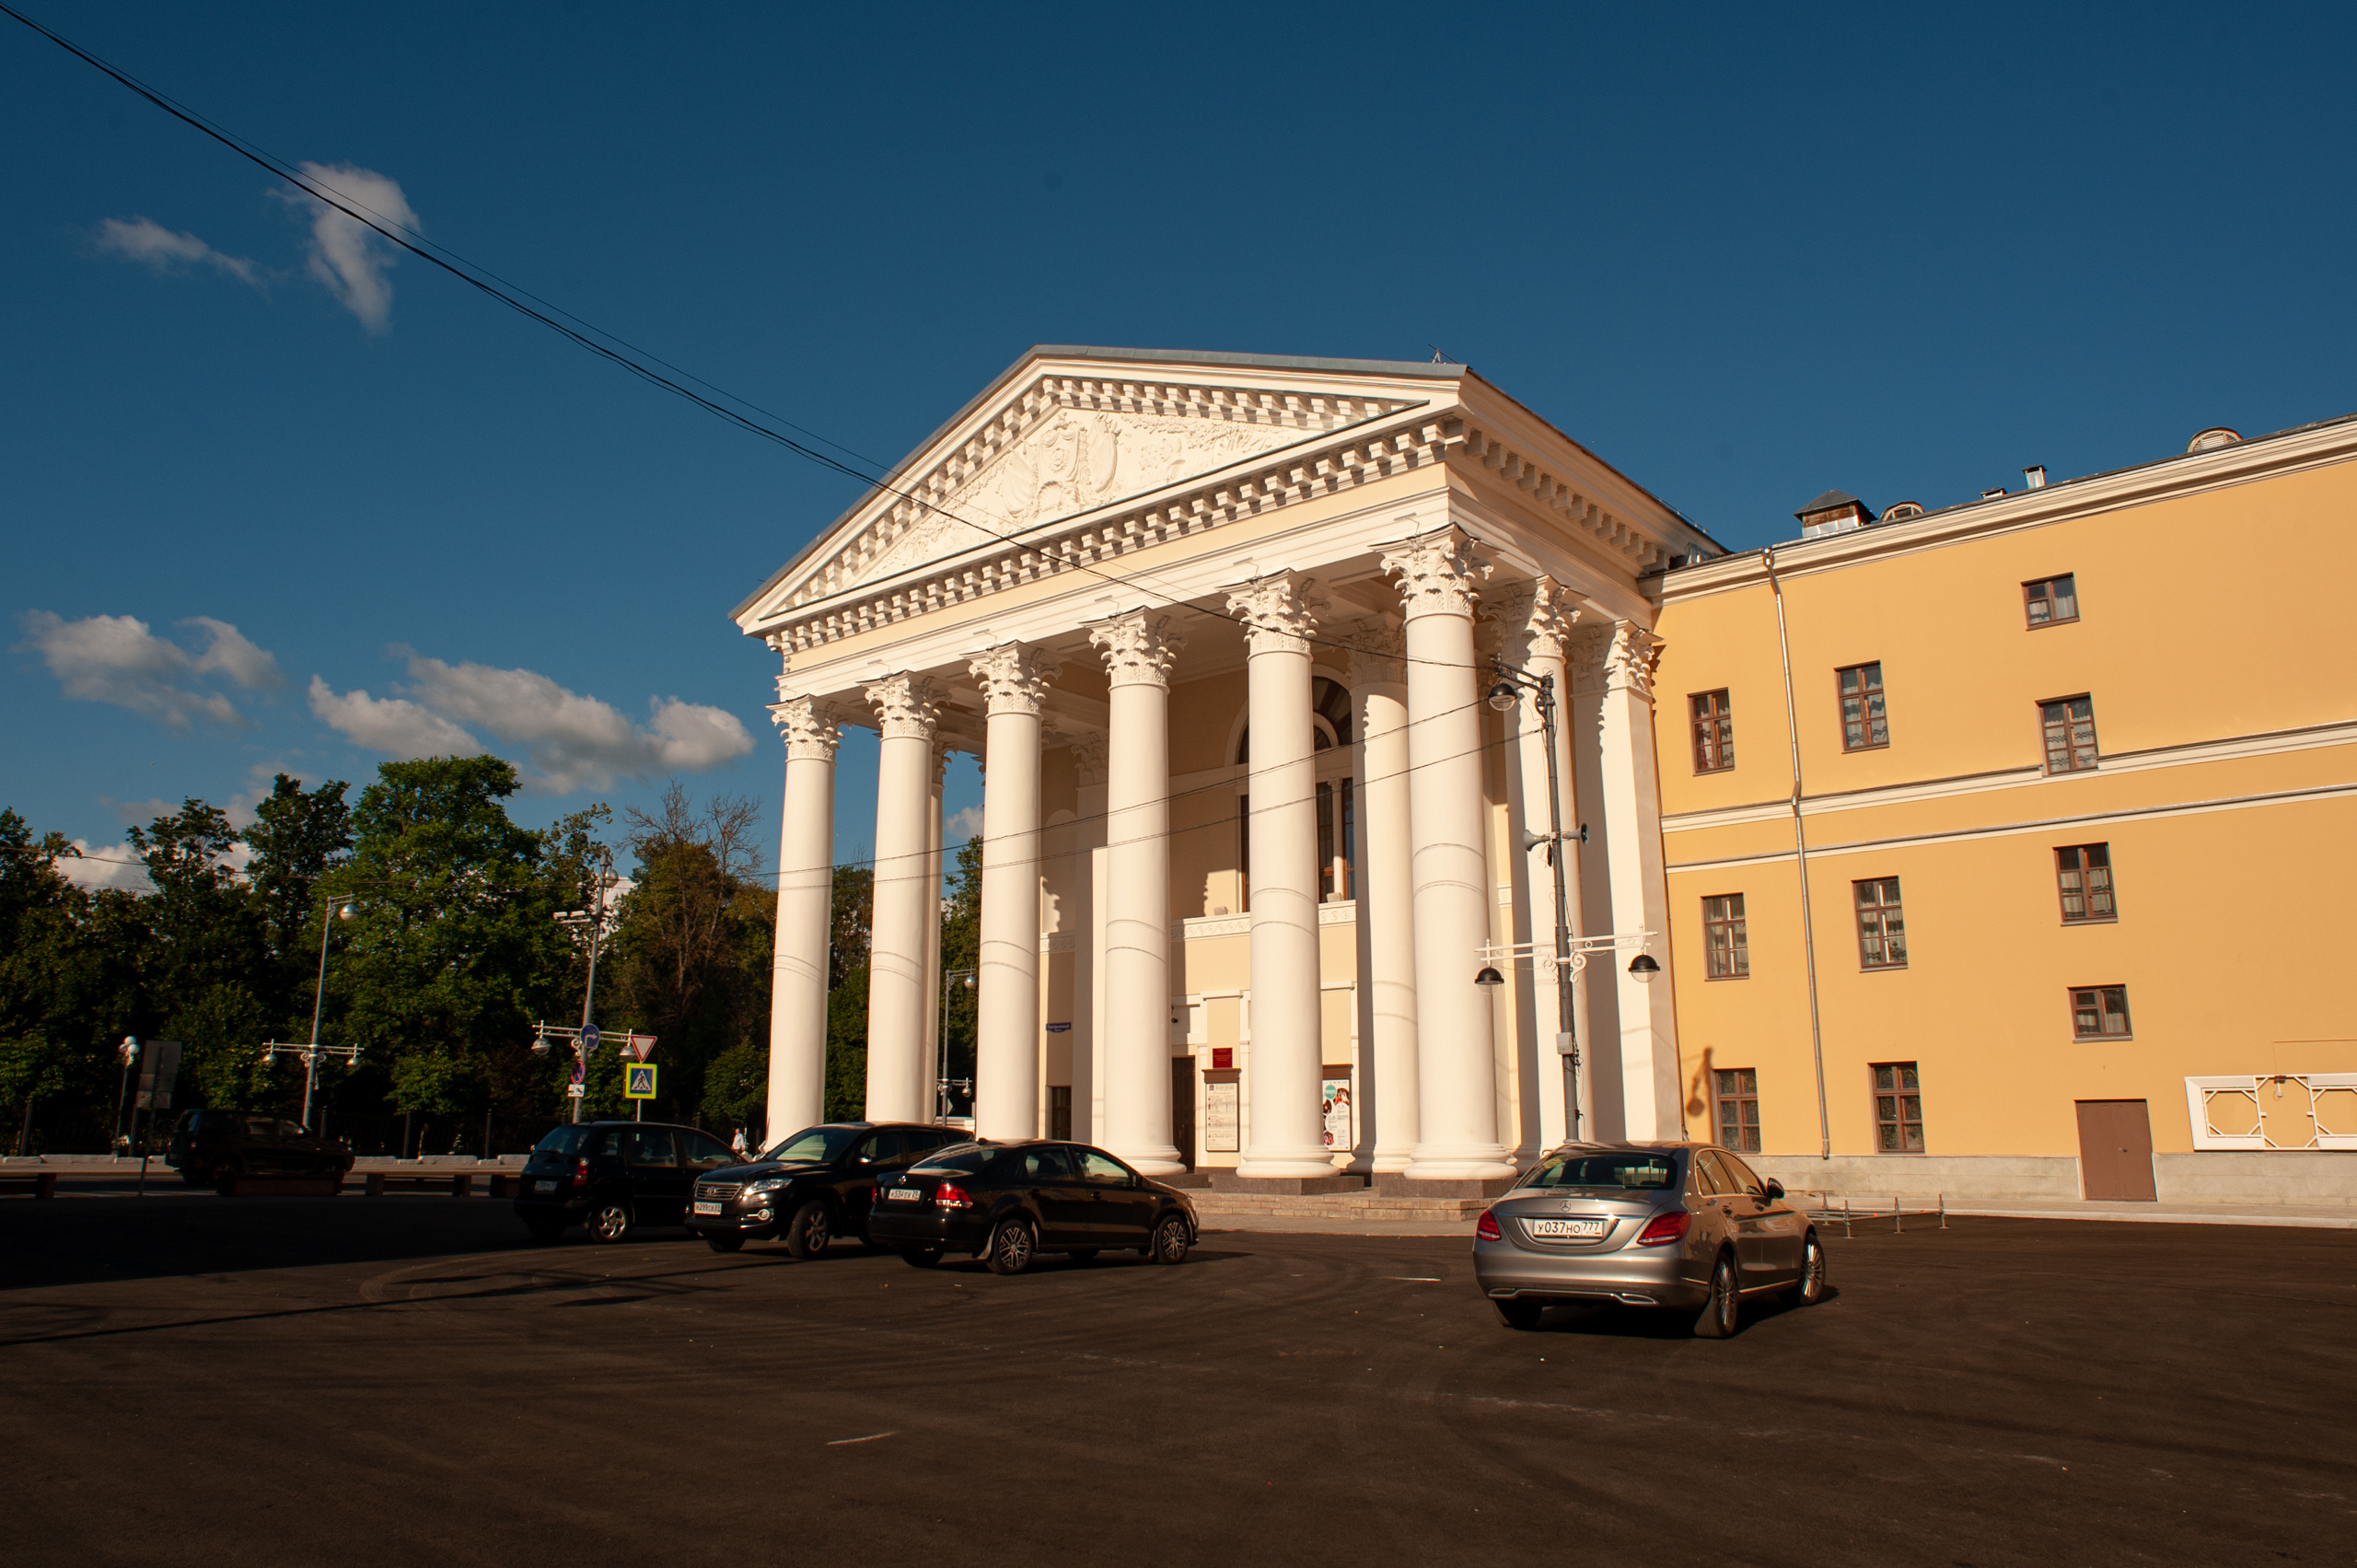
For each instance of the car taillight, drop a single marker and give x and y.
(1662, 1229)
(950, 1195)
(1486, 1229)
(581, 1173)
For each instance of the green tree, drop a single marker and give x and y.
(206, 974)
(961, 945)
(298, 837)
(851, 919)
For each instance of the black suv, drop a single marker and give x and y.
(613, 1177)
(209, 1146)
(812, 1187)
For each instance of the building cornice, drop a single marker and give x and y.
(2262, 458)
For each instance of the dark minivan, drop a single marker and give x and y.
(613, 1177)
(812, 1187)
(209, 1146)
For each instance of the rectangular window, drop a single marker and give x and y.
(1865, 725)
(2051, 602)
(1243, 854)
(1898, 1109)
(1723, 938)
(1882, 929)
(1713, 732)
(2070, 734)
(1060, 1111)
(2084, 874)
(2099, 1012)
(1325, 842)
(1738, 1089)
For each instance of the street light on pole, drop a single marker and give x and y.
(1503, 697)
(588, 924)
(333, 906)
(942, 1081)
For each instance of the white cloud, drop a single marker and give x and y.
(143, 239)
(390, 724)
(959, 826)
(116, 865)
(115, 658)
(348, 258)
(571, 741)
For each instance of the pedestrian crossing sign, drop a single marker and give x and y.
(638, 1080)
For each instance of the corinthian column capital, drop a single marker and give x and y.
(907, 706)
(1278, 612)
(1373, 643)
(807, 726)
(1535, 619)
(1439, 573)
(1138, 648)
(1088, 758)
(1629, 667)
(1014, 678)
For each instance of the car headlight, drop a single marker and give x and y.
(762, 1189)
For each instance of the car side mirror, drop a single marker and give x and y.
(1775, 1188)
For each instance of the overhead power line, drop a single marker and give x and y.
(606, 345)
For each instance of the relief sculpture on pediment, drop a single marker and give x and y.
(1073, 461)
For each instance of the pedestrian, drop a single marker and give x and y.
(737, 1143)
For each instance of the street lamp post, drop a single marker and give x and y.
(311, 1053)
(589, 924)
(941, 1082)
(1502, 698)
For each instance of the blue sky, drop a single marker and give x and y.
(1746, 254)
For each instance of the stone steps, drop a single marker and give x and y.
(1360, 1205)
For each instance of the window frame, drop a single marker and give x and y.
(2085, 895)
(2104, 1014)
(1899, 1093)
(2046, 746)
(1712, 732)
(2029, 599)
(1868, 696)
(1746, 1092)
(1881, 913)
(1733, 921)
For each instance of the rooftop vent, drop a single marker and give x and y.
(1900, 511)
(1993, 494)
(2034, 477)
(2211, 439)
(1834, 511)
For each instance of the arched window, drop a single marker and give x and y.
(1338, 857)
(1330, 719)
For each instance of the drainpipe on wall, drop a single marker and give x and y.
(1800, 853)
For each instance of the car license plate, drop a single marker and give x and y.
(1556, 1230)
(543, 1186)
(707, 1205)
(902, 1195)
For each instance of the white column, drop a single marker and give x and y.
(1457, 1068)
(1006, 1052)
(1287, 1024)
(907, 712)
(1536, 619)
(1639, 889)
(805, 873)
(1138, 649)
(1088, 940)
(934, 1044)
(1388, 1088)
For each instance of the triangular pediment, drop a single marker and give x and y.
(1059, 439)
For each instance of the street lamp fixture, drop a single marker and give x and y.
(1642, 967)
(1489, 976)
(1503, 696)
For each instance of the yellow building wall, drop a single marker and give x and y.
(2232, 928)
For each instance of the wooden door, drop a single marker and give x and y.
(2115, 1149)
(1183, 1109)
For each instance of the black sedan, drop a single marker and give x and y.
(1009, 1202)
(812, 1187)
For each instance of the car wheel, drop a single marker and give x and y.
(1717, 1318)
(1810, 1289)
(922, 1257)
(1520, 1314)
(196, 1176)
(223, 1173)
(544, 1230)
(730, 1243)
(1083, 1255)
(1011, 1247)
(806, 1234)
(610, 1221)
(1169, 1244)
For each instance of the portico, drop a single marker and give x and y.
(1221, 627)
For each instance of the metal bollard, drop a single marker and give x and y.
(1898, 1226)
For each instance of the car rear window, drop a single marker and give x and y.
(958, 1159)
(1638, 1171)
(565, 1141)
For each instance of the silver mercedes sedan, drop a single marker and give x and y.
(1681, 1226)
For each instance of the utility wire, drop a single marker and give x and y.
(586, 336)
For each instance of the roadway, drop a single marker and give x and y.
(405, 1381)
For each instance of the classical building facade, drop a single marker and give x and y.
(1992, 851)
(1220, 628)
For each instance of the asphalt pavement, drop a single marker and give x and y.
(406, 1380)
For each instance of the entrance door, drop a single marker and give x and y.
(1183, 1109)
(2115, 1149)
